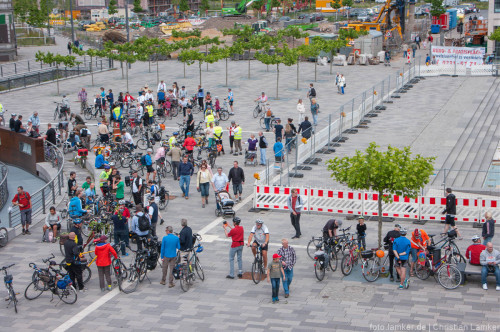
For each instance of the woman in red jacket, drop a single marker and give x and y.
(103, 251)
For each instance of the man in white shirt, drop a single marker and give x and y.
(127, 139)
(183, 92)
(149, 96)
(141, 98)
(262, 98)
(137, 188)
(162, 86)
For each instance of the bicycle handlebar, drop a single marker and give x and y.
(7, 267)
(48, 259)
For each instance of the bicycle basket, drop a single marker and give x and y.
(177, 271)
(367, 254)
(8, 279)
(64, 282)
(199, 249)
(452, 234)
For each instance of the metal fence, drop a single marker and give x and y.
(49, 73)
(4, 189)
(46, 196)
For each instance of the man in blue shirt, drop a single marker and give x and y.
(278, 152)
(185, 171)
(138, 234)
(230, 99)
(75, 205)
(149, 165)
(169, 246)
(401, 248)
(100, 162)
(201, 96)
(161, 97)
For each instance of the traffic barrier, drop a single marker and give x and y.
(362, 203)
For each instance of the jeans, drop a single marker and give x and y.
(288, 144)
(484, 274)
(487, 239)
(120, 122)
(204, 189)
(342, 89)
(175, 169)
(295, 219)
(239, 252)
(262, 156)
(289, 277)
(184, 183)
(267, 122)
(122, 235)
(275, 283)
(414, 52)
(315, 115)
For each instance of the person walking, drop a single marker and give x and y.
(274, 274)
(103, 252)
(488, 228)
(149, 164)
(417, 40)
(73, 263)
(279, 152)
(263, 148)
(175, 154)
(306, 128)
(120, 226)
(237, 176)
(186, 169)
(301, 110)
(401, 249)
(230, 100)
(450, 210)
(414, 49)
(168, 254)
(203, 180)
(389, 240)
(312, 92)
(185, 236)
(295, 204)
(72, 186)
(337, 83)
(288, 260)
(315, 111)
(23, 200)
(236, 233)
(342, 83)
(137, 187)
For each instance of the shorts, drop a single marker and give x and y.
(414, 254)
(58, 226)
(150, 168)
(26, 217)
(398, 264)
(450, 220)
(231, 102)
(265, 247)
(237, 188)
(278, 159)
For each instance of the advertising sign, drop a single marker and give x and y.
(463, 56)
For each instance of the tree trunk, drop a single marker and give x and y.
(127, 76)
(277, 80)
(379, 219)
(184, 70)
(121, 65)
(57, 78)
(206, 53)
(298, 73)
(199, 64)
(226, 71)
(316, 69)
(91, 71)
(248, 64)
(149, 64)
(267, 68)
(331, 62)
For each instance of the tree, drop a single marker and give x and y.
(393, 172)
(347, 3)
(137, 7)
(437, 8)
(92, 53)
(190, 56)
(57, 59)
(112, 8)
(292, 31)
(205, 6)
(32, 12)
(183, 6)
(495, 35)
(310, 51)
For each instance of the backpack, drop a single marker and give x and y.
(163, 193)
(269, 113)
(84, 132)
(152, 260)
(143, 223)
(143, 160)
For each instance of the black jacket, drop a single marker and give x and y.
(306, 128)
(236, 175)
(389, 239)
(71, 250)
(489, 228)
(186, 238)
(78, 233)
(451, 204)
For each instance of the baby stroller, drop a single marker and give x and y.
(250, 158)
(224, 204)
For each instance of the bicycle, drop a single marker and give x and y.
(372, 265)
(340, 243)
(7, 279)
(259, 108)
(86, 271)
(272, 122)
(4, 236)
(324, 259)
(58, 283)
(83, 105)
(194, 260)
(92, 111)
(258, 269)
(224, 111)
(186, 275)
(452, 253)
(350, 259)
(135, 273)
(448, 275)
(59, 112)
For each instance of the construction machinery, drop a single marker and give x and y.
(241, 8)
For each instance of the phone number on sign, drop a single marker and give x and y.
(434, 327)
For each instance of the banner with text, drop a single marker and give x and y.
(464, 56)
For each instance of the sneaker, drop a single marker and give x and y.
(485, 286)
(407, 283)
(110, 288)
(163, 282)
(24, 232)
(241, 276)
(53, 240)
(229, 277)
(171, 285)
(102, 289)
(274, 301)
(391, 279)
(498, 288)
(183, 195)
(28, 232)
(125, 254)
(287, 295)
(401, 287)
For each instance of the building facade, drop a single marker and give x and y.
(8, 45)
(493, 23)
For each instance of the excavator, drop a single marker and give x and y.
(241, 8)
(390, 20)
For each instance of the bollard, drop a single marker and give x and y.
(329, 133)
(43, 201)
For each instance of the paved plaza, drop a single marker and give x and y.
(337, 303)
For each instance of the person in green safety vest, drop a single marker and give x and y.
(209, 117)
(218, 139)
(103, 179)
(173, 139)
(118, 114)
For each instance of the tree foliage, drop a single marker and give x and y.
(112, 7)
(204, 5)
(392, 172)
(495, 35)
(137, 7)
(32, 12)
(57, 60)
(186, 34)
(183, 5)
(437, 8)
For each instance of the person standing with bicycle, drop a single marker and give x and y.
(401, 249)
(260, 236)
(236, 233)
(169, 246)
(288, 260)
(186, 238)
(120, 226)
(330, 229)
(73, 263)
(389, 240)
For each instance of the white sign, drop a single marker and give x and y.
(464, 56)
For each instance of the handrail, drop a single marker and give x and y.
(42, 198)
(4, 189)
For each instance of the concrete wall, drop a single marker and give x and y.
(11, 153)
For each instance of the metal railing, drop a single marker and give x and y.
(46, 196)
(4, 189)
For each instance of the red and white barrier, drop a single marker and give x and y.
(366, 203)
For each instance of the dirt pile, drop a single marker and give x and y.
(114, 36)
(221, 23)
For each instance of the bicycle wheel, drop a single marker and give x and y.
(256, 111)
(130, 281)
(199, 270)
(262, 123)
(4, 237)
(332, 262)
(256, 272)
(87, 114)
(319, 270)
(224, 115)
(167, 168)
(196, 109)
(312, 246)
(68, 295)
(13, 297)
(142, 144)
(143, 270)
(33, 291)
(422, 271)
(346, 265)
(86, 274)
(449, 276)
(183, 281)
(174, 111)
(456, 258)
(371, 269)
(85, 228)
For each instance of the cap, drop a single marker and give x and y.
(150, 150)
(276, 256)
(361, 217)
(13, 114)
(101, 239)
(475, 238)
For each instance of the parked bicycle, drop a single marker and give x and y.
(135, 273)
(324, 258)
(56, 281)
(350, 259)
(447, 273)
(375, 262)
(60, 111)
(4, 236)
(8, 279)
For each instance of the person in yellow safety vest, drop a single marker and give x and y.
(237, 140)
(173, 139)
(209, 118)
(218, 139)
(150, 110)
(117, 115)
(103, 178)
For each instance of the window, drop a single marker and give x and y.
(26, 148)
(497, 6)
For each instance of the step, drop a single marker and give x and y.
(477, 179)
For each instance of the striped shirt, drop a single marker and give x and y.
(288, 256)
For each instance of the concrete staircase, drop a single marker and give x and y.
(471, 156)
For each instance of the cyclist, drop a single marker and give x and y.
(389, 240)
(189, 144)
(75, 209)
(127, 139)
(474, 250)
(230, 99)
(330, 229)
(260, 236)
(419, 241)
(208, 100)
(173, 139)
(401, 249)
(65, 108)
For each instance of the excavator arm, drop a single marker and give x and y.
(242, 6)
